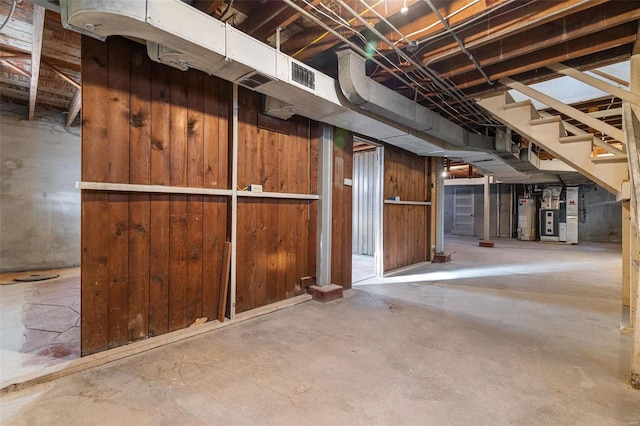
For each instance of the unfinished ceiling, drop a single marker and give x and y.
(443, 54)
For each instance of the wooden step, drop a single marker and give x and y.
(610, 148)
(545, 120)
(609, 159)
(576, 138)
(512, 105)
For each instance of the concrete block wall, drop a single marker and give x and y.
(39, 205)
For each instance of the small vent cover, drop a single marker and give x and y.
(254, 80)
(303, 76)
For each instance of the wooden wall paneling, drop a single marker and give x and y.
(260, 173)
(262, 253)
(248, 171)
(302, 235)
(195, 178)
(314, 132)
(406, 227)
(160, 212)
(214, 222)
(246, 240)
(94, 256)
(178, 203)
(303, 166)
(246, 215)
(118, 113)
(139, 204)
(269, 140)
(342, 209)
(94, 273)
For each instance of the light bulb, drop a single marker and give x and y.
(404, 10)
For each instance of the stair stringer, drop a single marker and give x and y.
(523, 118)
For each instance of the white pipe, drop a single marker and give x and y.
(498, 204)
(439, 208)
(487, 208)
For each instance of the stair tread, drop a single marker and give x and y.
(517, 104)
(610, 159)
(545, 120)
(576, 138)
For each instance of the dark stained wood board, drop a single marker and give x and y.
(151, 262)
(406, 227)
(341, 263)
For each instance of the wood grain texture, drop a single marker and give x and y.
(276, 237)
(151, 262)
(406, 227)
(342, 212)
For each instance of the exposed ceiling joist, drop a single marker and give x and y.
(566, 109)
(74, 107)
(6, 63)
(207, 6)
(596, 82)
(63, 75)
(36, 51)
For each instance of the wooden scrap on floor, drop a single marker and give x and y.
(224, 281)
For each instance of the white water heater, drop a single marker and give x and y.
(572, 214)
(527, 219)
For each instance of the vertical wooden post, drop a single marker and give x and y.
(36, 52)
(626, 254)
(633, 150)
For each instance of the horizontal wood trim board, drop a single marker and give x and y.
(278, 195)
(165, 189)
(129, 187)
(408, 203)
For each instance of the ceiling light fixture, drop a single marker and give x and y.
(404, 9)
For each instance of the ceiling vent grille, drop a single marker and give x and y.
(254, 80)
(304, 76)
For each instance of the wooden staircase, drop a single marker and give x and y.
(564, 141)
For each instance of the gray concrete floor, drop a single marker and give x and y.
(522, 334)
(39, 322)
(363, 267)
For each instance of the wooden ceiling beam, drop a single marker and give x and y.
(74, 107)
(11, 66)
(575, 26)
(263, 15)
(572, 49)
(315, 40)
(207, 6)
(36, 51)
(62, 75)
(594, 60)
(508, 24)
(503, 26)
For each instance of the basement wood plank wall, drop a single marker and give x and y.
(151, 263)
(342, 210)
(406, 227)
(276, 237)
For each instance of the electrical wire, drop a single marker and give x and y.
(339, 21)
(473, 109)
(10, 15)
